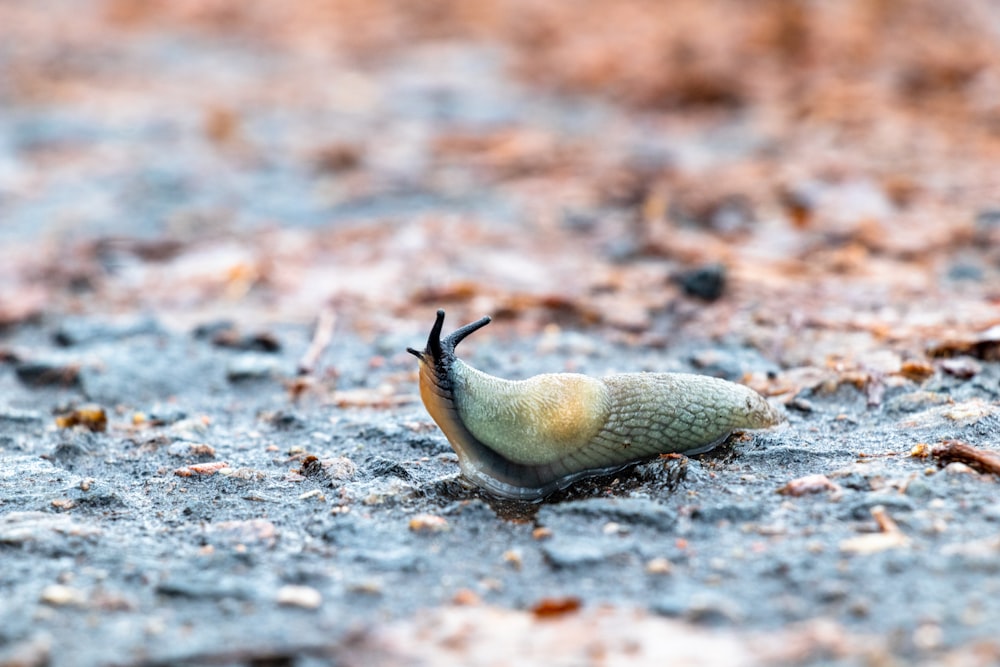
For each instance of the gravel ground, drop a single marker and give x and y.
(193, 197)
(310, 522)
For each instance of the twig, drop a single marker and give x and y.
(955, 450)
(320, 340)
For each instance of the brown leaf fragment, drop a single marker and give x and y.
(985, 346)
(554, 607)
(458, 291)
(918, 371)
(91, 417)
(201, 469)
(982, 460)
(810, 484)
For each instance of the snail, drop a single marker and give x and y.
(527, 439)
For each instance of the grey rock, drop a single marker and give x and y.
(82, 331)
(570, 552)
(632, 512)
(919, 488)
(733, 512)
(251, 367)
(48, 372)
(202, 586)
(391, 558)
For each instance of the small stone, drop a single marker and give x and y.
(339, 469)
(47, 373)
(810, 484)
(200, 586)
(659, 566)
(918, 488)
(706, 282)
(614, 528)
(466, 598)
(203, 469)
(958, 468)
(513, 556)
(315, 493)
(428, 523)
(626, 512)
(304, 597)
(63, 596)
(541, 533)
(251, 367)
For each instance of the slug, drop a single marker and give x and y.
(526, 439)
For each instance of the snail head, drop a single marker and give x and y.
(440, 349)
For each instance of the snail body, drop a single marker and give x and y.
(524, 439)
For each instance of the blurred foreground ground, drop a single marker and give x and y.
(801, 196)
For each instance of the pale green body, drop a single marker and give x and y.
(570, 423)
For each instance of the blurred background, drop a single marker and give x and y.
(770, 169)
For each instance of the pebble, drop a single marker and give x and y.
(47, 373)
(392, 558)
(918, 488)
(959, 468)
(58, 595)
(251, 367)
(659, 566)
(205, 586)
(428, 523)
(706, 282)
(304, 597)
